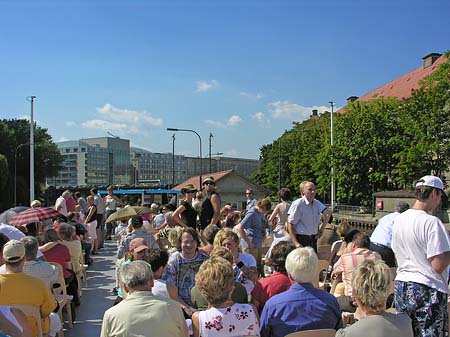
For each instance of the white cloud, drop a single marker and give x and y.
(231, 152)
(70, 123)
(256, 96)
(109, 126)
(122, 121)
(203, 86)
(62, 139)
(292, 111)
(234, 120)
(130, 116)
(230, 122)
(260, 117)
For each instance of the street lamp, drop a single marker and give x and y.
(210, 138)
(31, 100)
(15, 171)
(332, 165)
(173, 160)
(200, 141)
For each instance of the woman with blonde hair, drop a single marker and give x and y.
(223, 317)
(371, 283)
(185, 215)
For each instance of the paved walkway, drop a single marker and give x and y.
(97, 297)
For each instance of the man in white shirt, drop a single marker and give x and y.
(422, 247)
(60, 204)
(304, 217)
(381, 238)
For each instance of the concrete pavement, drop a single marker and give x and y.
(97, 297)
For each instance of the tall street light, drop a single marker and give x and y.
(200, 141)
(173, 159)
(31, 100)
(332, 151)
(15, 171)
(210, 139)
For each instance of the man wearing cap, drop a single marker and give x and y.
(138, 232)
(422, 247)
(210, 211)
(381, 238)
(17, 287)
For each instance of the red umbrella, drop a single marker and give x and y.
(35, 214)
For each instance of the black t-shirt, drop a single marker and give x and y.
(207, 211)
(189, 215)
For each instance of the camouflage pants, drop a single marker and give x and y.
(426, 306)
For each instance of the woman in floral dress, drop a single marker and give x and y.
(223, 317)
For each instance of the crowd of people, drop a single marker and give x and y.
(197, 268)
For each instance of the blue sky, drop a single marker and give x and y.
(241, 70)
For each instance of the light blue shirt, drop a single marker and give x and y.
(383, 232)
(306, 215)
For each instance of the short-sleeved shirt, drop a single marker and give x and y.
(302, 307)
(383, 231)
(61, 202)
(348, 262)
(59, 254)
(181, 273)
(255, 225)
(267, 287)
(417, 237)
(305, 215)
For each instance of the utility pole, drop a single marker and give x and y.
(173, 159)
(31, 99)
(332, 154)
(210, 166)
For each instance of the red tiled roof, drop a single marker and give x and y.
(402, 86)
(196, 179)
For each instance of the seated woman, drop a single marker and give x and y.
(223, 317)
(55, 251)
(371, 283)
(239, 293)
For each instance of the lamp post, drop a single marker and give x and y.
(15, 171)
(31, 100)
(173, 159)
(332, 165)
(200, 141)
(210, 138)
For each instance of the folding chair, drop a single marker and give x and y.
(60, 294)
(313, 333)
(31, 310)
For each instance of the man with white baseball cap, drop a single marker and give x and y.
(421, 245)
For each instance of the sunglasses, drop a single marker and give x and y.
(208, 183)
(191, 191)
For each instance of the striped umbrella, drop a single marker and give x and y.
(35, 214)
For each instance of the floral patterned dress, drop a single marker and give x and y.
(237, 320)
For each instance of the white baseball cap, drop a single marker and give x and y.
(431, 181)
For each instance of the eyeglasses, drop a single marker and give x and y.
(208, 183)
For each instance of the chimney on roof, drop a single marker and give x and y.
(351, 99)
(429, 59)
(315, 114)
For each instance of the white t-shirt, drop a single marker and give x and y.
(416, 237)
(160, 288)
(61, 202)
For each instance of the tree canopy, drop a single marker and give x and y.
(381, 144)
(14, 146)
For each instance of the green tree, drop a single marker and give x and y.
(47, 157)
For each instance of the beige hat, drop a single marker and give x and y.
(13, 251)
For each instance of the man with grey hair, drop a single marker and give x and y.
(381, 238)
(141, 313)
(34, 267)
(61, 205)
(302, 307)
